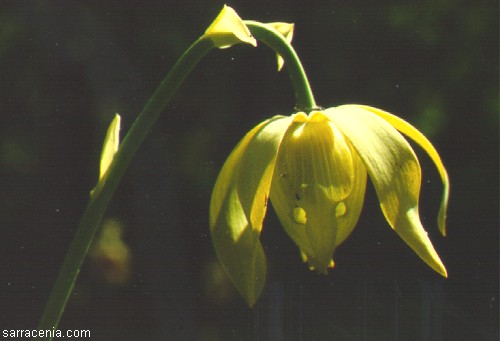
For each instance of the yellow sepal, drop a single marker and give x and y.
(413, 133)
(228, 29)
(238, 206)
(394, 171)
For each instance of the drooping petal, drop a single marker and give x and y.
(318, 187)
(228, 29)
(238, 206)
(413, 133)
(395, 173)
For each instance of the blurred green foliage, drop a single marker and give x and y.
(67, 67)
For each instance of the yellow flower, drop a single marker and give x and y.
(314, 169)
(228, 29)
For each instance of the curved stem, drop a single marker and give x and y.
(303, 94)
(101, 196)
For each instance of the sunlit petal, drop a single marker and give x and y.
(239, 203)
(228, 29)
(423, 142)
(395, 173)
(110, 145)
(318, 187)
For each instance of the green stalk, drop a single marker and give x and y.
(303, 94)
(102, 194)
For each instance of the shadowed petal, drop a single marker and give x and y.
(395, 173)
(238, 206)
(426, 145)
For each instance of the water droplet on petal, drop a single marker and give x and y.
(299, 215)
(340, 209)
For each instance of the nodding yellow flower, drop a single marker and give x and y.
(314, 167)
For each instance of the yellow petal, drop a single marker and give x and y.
(286, 30)
(228, 29)
(318, 187)
(426, 145)
(110, 146)
(395, 173)
(238, 206)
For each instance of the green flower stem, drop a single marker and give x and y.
(102, 194)
(303, 94)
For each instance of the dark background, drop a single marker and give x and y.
(67, 66)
